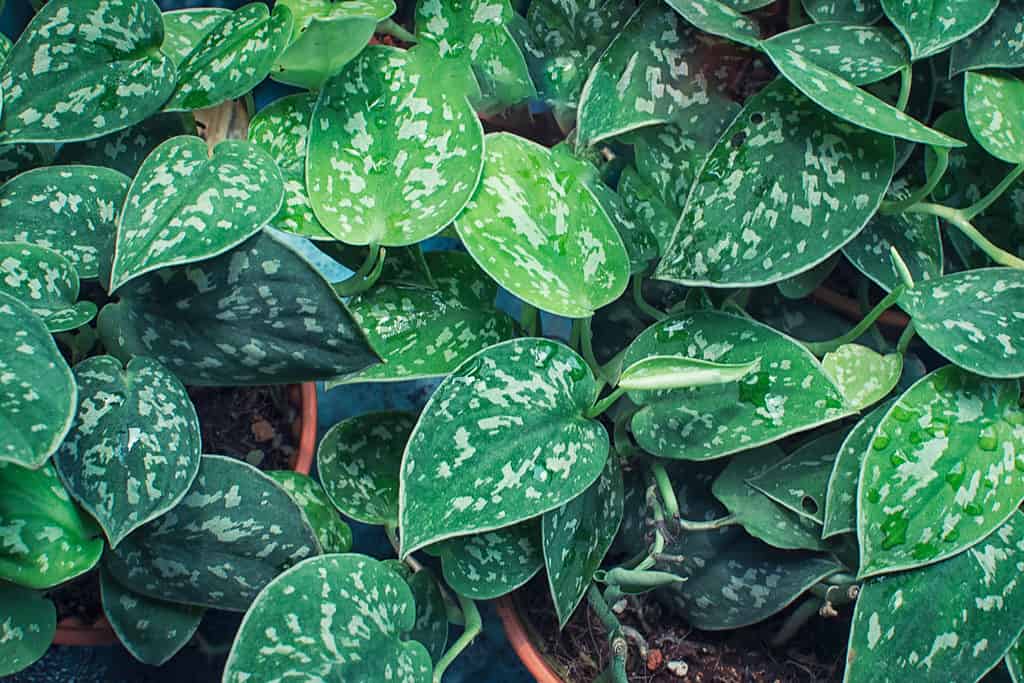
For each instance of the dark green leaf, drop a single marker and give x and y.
(126, 149)
(185, 29)
(931, 26)
(860, 54)
(994, 104)
(431, 627)
(495, 563)
(717, 18)
(803, 284)
(1015, 661)
(996, 44)
(332, 532)
(800, 480)
(28, 621)
(15, 159)
(646, 208)
(855, 12)
(47, 282)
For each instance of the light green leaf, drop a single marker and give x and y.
(185, 206)
(326, 36)
(864, 376)
(28, 621)
(336, 617)
(961, 616)
(69, 209)
(841, 495)
(153, 631)
(44, 539)
(495, 563)
(126, 149)
(747, 218)
(392, 159)
(787, 392)
(37, 389)
(931, 26)
(680, 372)
(994, 104)
(235, 320)
(133, 450)
(281, 129)
(942, 471)
(717, 18)
(854, 12)
(235, 531)
(503, 439)
(850, 103)
(359, 460)
(476, 33)
(541, 233)
(185, 29)
(762, 517)
(47, 282)
(860, 54)
(974, 318)
(997, 44)
(84, 68)
(250, 40)
(332, 532)
(652, 72)
(431, 627)
(578, 535)
(429, 332)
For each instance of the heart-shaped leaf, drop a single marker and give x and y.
(942, 471)
(185, 29)
(577, 537)
(429, 332)
(860, 54)
(503, 439)
(281, 129)
(996, 44)
(717, 18)
(799, 481)
(126, 149)
(495, 563)
(69, 209)
(680, 372)
(752, 229)
(37, 389)
(331, 531)
(133, 450)
(326, 36)
(393, 159)
(541, 233)
(994, 104)
(841, 495)
(431, 627)
(44, 539)
(850, 103)
(234, 532)
(787, 392)
(931, 26)
(476, 32)
(184, 206)
(84, 68)
(856, 12)
(864, 376)
(153, 631)
(762, 517)
(974, 318)
(258, 314)
(652, 72)
(344, 614)
(28, 622)
(359, 460)
(47, 282)
(250, 40)
(959, 615)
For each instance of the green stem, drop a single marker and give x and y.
(979, 206)
(471, 631)
(641, 303)
(960, 221)
(391, 531)
(574, 335)
(710, 525)
(906, 337)
(616, 639)
(921, 193)
(606, 402)
(528, 319)
(821, 348)
(392, 28)
(795, 15)
(587, 348)
(864, 301)
(668, 494)
(367, 275)
(800, 616)
(906, 80)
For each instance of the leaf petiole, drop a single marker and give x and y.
(367, 275)
(921, 193)
(906, 337)
(605, 403)
(616, 638)
(665, 489)
(959, 219)
(906, 81)
(823, 347)
(529, 319)
(642, 303)
(982, 204)
(470, 632)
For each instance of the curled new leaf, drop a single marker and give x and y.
(680, 372)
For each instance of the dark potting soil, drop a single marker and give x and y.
(79, 599)
(677, 653)
(254, 424)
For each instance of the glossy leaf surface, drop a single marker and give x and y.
(495, 563)
(841, 495)
(931, 26)
(860, 54)
(47, 282)
(994, 104)
(332, 532)
(996, 44)
(799, 481)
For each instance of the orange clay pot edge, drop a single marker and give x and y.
(73, 632)
(521, 643)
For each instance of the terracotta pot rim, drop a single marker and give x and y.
(520, 640)
(71, 631)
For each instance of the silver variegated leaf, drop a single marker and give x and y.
(503, 439)
(126, 149)
(28, 621)
(863, 375)
(860, 54)
(185, 29)
(233, 320)
(719, 19)
(931, 26)
(332, 532)
(492, 564)
(943, 471)
(997, 44)
(335, 617)
(134, 448)
(84, 68)
(431, 627)
(186, 206)
(853, 11)
(994, 104)
(37, 390)
(47, 282)
(234, 531)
